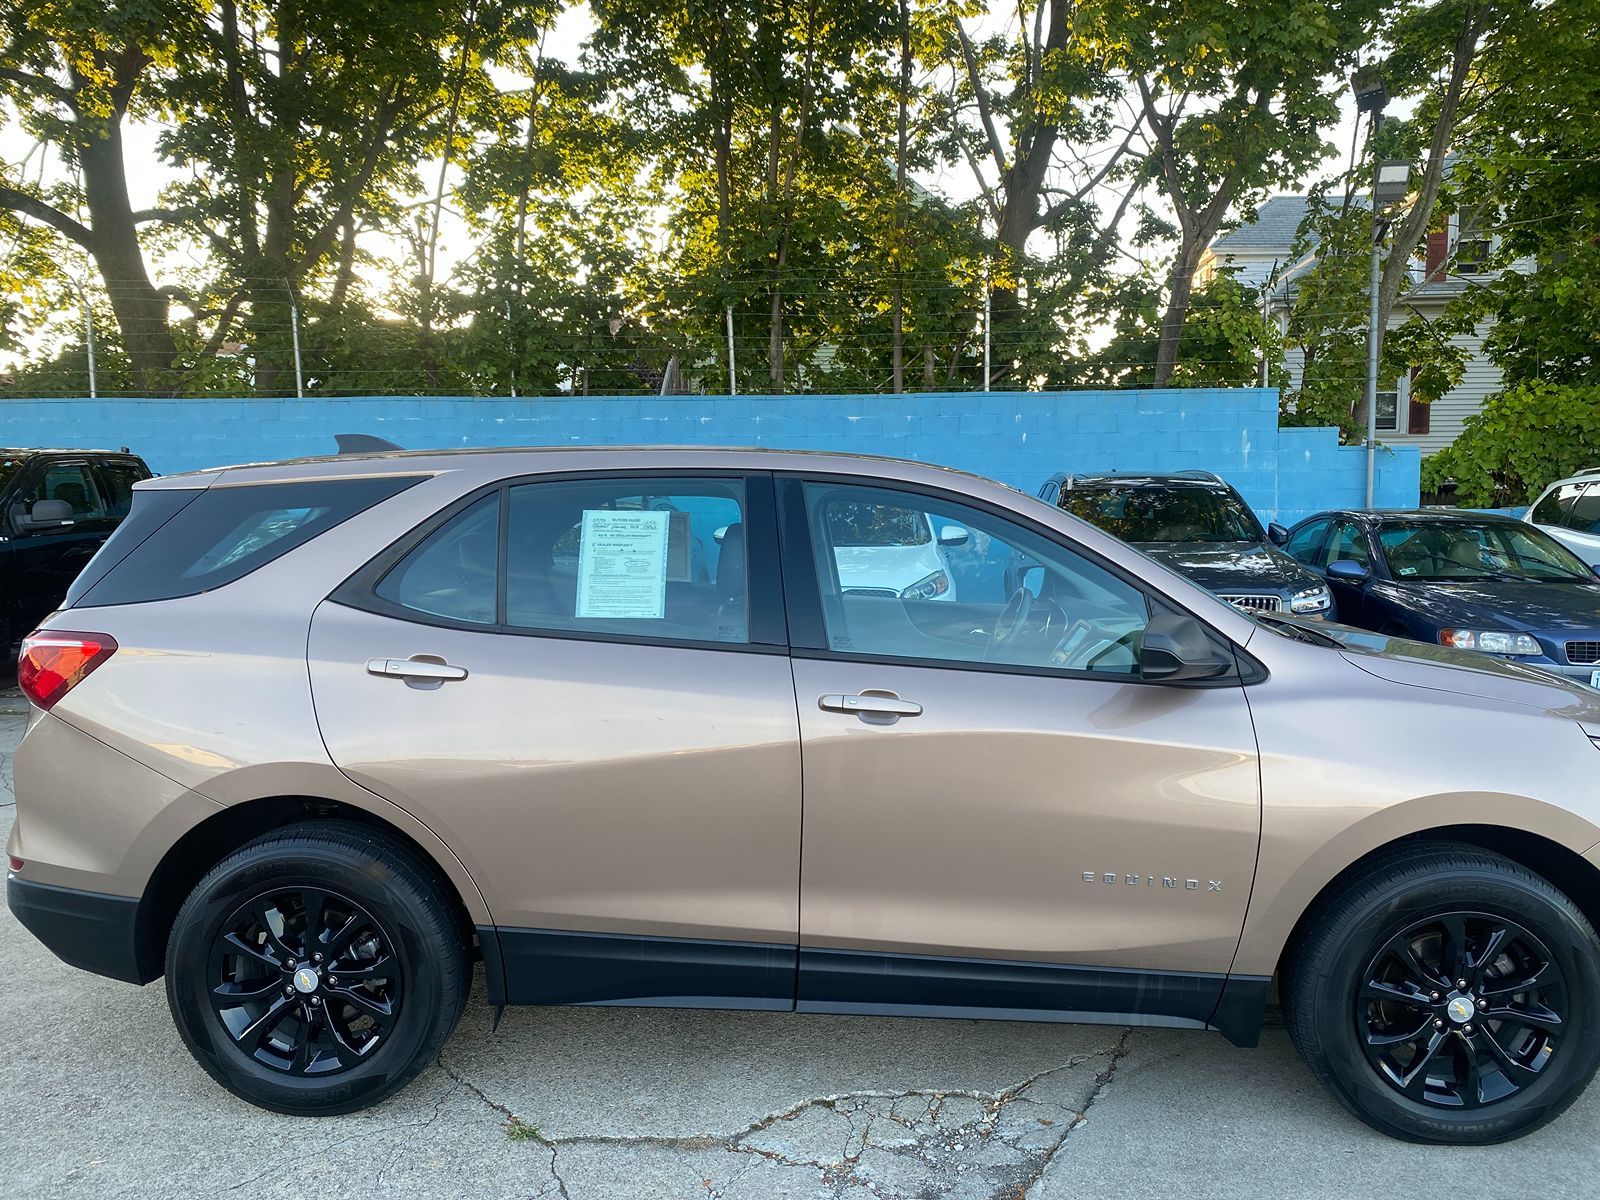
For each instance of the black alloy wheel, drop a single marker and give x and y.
(319, 968)
(305, 981)
(1462, 1009)
(1444, 993)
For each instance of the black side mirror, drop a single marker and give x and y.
(1348, 570)
(1277, 534)
(1177, 649)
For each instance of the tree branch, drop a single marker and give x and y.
(32, 206)
(982, 97)
(38, 83)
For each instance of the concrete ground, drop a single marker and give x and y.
(99, 1098)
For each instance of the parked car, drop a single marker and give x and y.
(1569, 511)
(311, 738)
(1195, 523)
(56, 508)
(1469, 580)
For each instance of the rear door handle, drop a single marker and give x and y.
(880, 706)
(422, 669)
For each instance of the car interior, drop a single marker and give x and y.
(1020, 599)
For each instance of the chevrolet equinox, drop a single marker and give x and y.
(312, 739)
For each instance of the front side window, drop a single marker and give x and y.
(1142, 513)
(1444, 551)
(1348, 544)
(1305, 543)
(955, 584)
(67, 482)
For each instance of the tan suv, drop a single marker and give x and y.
(312, 738)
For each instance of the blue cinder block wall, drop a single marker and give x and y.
(1018, 438)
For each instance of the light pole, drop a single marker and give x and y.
(1390, 183)
(1389, 187)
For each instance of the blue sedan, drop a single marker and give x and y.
(1468, 580)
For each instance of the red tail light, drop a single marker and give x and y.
(53, 662)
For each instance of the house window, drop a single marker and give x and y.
(1473, 241)
(1388, 411)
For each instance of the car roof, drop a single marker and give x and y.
(536, 460)
(33, 451)
(1198, 479)
(1383, 515)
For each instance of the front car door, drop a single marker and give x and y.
(1000, 818)
(46, 558)
(581, 684)
(1347, 542)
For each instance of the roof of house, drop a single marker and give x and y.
(1277, 221)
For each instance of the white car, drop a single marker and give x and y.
(1569, 511)
(884, 551)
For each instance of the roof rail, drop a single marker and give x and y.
(1588, 471)
(1196, 473)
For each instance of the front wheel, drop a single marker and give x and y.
(318, 969)
(1448, 995)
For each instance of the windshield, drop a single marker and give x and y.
(1456, 550)
(1142, 513)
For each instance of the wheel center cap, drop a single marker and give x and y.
(305, 981)
(1460, 1009)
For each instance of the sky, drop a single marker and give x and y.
(147, 174)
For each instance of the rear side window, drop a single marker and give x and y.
(119, 475)
(1555, 504)
(225, 533)
(1585, 514)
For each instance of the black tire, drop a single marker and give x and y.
(1486, 1064)
(318, 1045)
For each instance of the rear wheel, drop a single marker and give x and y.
(1448, 995)
(318, 969)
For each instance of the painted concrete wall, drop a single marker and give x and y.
(1018, 438)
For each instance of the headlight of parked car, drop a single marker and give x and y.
(927, 588)
(1490, 641)
(1311, 600)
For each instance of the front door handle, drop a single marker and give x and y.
(423, 670)
(871, 705)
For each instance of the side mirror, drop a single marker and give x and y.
(1176, 649)
(1348, 570)
(952, 535)
(48, 514)
(1277, 534)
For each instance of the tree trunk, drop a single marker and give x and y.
(1180, 283)
(898, 316)
(141, 311)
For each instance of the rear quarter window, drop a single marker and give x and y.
(223, 534)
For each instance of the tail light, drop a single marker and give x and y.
(53, 662)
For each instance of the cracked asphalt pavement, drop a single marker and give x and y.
(99, 1098)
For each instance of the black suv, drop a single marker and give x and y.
(1195, 523)
(56, 507)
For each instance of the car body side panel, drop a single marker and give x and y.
(1027, 817)
(1333, 790)
(110, 819)
(601, 787)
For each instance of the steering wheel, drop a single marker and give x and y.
(1012, 620)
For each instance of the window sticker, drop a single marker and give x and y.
(622, 564)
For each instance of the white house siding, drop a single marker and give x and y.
(1479, 380)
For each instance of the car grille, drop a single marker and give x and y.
(1255, 603)
(1583, 652)
(870, 592)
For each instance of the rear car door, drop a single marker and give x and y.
(47, 557)
(582, 685)
(1000, 817)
